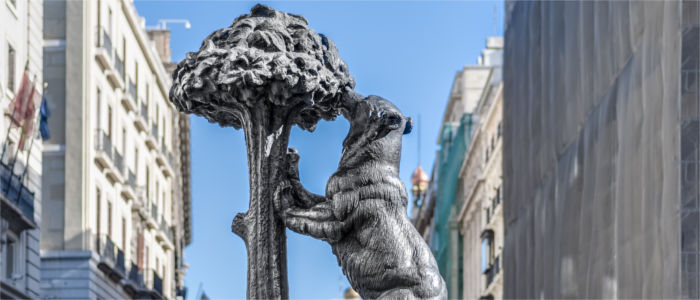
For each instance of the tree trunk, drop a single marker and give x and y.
(261, 229)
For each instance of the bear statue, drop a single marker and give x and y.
(363, 214)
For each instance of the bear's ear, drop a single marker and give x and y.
(409, 126)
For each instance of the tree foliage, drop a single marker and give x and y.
(265, 60)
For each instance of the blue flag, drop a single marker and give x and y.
(44, 122)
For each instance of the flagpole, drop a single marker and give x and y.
(12, 118)
(29, 153)
(31, 143)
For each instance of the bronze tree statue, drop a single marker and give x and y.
(266, 73)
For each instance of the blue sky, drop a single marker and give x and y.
(405, 51)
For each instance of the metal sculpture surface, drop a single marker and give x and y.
(363, 215)
(266, 73)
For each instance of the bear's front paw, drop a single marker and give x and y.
(291, 163)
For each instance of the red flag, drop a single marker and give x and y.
(28, 117)
(18, 107)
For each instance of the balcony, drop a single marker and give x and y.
(119, 162)
(139, 203)
(129, 188)
(141, 119)
(129, 97)
(165, 160)
(134, 284)
(151, 139)
(116, 75)
(165, 235)
(493, 271)
(17, 201)
(151, 221)
(157, 284)
(153, 286)
(111, 258)
(107, 158)
(103, 147)
(104, 52)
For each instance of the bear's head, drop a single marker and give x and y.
(376, 128)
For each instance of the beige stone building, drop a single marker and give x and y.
(459, 213)
(117, 163)
(480, 217)
(20, 171)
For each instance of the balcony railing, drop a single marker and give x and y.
(132, 89)
(167, 230)
(105, 248)
(104, 143)
(171, 159)
(131, 180)
(163, 225)
(119, 264)
(154, 211)
(154, 131)
(111, 258)
(136, 277)
(105, 41)
(104, 53)
(13, 189)
(119, 161)
(164, 147)
(119, 65)
(493, 271)
(157, 283)
(144, 111)
(136, 282)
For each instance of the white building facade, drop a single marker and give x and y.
(20, 186)
(117, 166)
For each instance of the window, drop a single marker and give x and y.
(109, 21)
(124, 234)
(98, 109)
(136, 78)
(163, 137)
(486, 251)
(499, 131)
(124, 141)
(139, 251)
(488, 216)
(11, 253)
(109, 122)
(11, 67)
(162, 204)
(109, 220)
(498, 194)
(99, 19)
(98, 210)
(124, 56)
(136, 160)
(148, 181)
(155, 120)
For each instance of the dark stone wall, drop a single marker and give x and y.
(591, 149)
